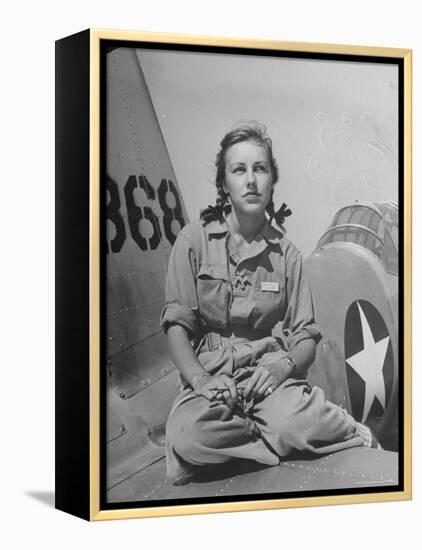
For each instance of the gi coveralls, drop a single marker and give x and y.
(229, 305)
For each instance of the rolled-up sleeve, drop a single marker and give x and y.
(181, 305)
(299, 321)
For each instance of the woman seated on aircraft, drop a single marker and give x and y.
(232, 277)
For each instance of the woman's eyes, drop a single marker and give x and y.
(242, 169)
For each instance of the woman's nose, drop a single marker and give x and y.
(251, 179)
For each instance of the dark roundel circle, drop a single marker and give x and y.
(369, 362)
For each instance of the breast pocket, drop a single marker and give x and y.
(213, 295)
(268, 299)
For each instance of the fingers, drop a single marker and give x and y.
(209, 394)
(229, 395)
(228, 400)
(251, 384)
(223, 388)
(254, 384)
(265, 389)
(220, 388)
(259, 384)
(263, 383)
(231, 387)
(220, 395)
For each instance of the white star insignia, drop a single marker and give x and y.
(369, 363)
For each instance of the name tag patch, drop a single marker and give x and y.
(269, 286)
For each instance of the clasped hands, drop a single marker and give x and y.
(271, 371)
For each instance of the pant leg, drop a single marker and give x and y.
(297, 417)
(202, 432)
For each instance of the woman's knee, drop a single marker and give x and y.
(289, 412)
(188, 429)
(304, 417)
(283, 427)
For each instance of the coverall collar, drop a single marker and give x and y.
(268, 232)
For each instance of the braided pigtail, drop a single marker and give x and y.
(221, 208)
(278, 216)
(270, 209)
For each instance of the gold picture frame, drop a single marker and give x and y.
(80, 156)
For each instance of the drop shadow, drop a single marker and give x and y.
(45, 497)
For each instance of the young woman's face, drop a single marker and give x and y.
(248, 178)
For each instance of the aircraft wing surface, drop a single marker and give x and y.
(356, 468)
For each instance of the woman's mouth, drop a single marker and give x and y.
(253, 197)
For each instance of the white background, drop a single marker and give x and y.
(27, 290)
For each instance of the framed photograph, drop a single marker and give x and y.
(233, 276)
